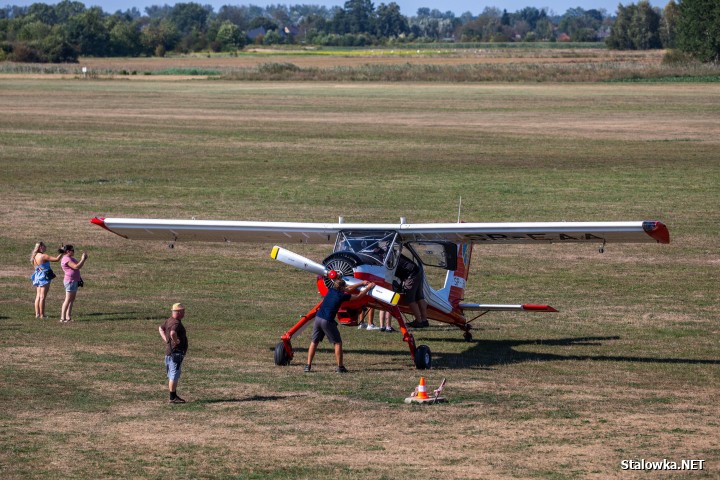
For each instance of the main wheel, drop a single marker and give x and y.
(281, 356)
(423, 357)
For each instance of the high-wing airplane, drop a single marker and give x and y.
(371, 252)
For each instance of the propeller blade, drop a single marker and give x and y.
(385, 295)
(298, 261)
(378, 293)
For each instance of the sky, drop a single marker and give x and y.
(407, 7)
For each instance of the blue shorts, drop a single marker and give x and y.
(173, 369)
(71, 286)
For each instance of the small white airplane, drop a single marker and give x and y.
(372, 252)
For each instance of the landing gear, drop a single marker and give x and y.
(281, 355)
(467, 336)
(423, 357)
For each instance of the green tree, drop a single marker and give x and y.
(390, 22)
(668, 24)
(87, 32)
(124, 38)
(237, 15)
(159, 37)
(67, 9)
(264, 22)
(44, 13)
(189, 16)
(581, 25)
(637, 27)
(360, 14)
(698, 29)
(645, 27)
(57, 49)
(272, 38)
(33, 31)
(620, 38)
(230, 37)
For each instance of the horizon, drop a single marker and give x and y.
(408, 8)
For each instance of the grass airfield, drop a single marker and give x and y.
(627, 370)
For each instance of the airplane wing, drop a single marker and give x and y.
(319, 233)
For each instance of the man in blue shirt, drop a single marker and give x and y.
(325, 324)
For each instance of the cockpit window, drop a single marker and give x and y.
(379, 246)
(436, 254)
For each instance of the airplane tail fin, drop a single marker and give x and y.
(460, 275)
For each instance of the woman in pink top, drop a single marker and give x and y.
(72, 280)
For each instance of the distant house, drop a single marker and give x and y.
(287, 31)
(256, 32)
(290, 30)
(563, 37)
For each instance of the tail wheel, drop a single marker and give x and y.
(342, 262)
(281, 355)
(423, 357)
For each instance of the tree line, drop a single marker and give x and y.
(64, 31)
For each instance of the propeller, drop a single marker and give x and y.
(298, 261)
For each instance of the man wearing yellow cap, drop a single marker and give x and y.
(176, 345)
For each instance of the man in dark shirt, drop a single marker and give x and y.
(411, 276)
(176, 345)
(325, 323)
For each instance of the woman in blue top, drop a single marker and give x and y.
(42, 276)
(325, 323)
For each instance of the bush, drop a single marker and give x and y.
(60, 51)
(24, 53)
(677, 57)
(277, 68)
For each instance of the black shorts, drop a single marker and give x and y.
(324, 327)
(413, 289)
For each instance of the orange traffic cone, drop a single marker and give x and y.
(421, 392)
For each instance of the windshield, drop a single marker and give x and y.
(380, 246)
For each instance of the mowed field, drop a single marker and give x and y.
(629, 369)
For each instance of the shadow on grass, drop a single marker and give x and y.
(489, 353)
(117, 316)
(253, 398)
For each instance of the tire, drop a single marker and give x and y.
(423, 357)
(281, 356)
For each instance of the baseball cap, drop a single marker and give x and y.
(178, 306)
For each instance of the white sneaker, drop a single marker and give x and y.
(362, 326)
(373, 327)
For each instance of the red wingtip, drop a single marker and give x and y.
(657, 230)
(538, 308)
(100, 222)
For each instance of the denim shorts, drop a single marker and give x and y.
(71, 286)
(173, 369)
